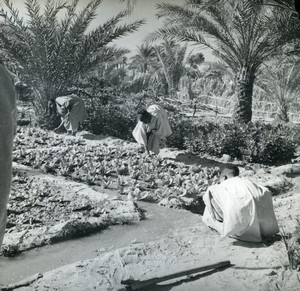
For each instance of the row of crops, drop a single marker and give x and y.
(122, 169)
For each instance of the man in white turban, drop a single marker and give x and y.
(152, 127)
(239, 208)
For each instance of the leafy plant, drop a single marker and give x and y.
(253, 142)
(114, 119)
(101, 166)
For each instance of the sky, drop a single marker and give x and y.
(143, 9)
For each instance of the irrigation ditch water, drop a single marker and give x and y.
(160, 222)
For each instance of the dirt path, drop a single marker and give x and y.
(256, 266)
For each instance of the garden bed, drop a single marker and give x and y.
(115, 165)
(45, 209)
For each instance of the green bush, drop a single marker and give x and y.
(269, 144)
(254, 142)
(117, 120)
(113, 113)
(181, 129)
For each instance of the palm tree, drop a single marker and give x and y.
(144, 69)
(281, 81)
(171, 57)
(242, 33)
(130, 4)
(53, 52)
(143, 59)
(159, 68)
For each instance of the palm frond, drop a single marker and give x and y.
(54, 49)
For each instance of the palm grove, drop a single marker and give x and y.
(55, 52)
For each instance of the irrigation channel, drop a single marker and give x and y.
(160, 222)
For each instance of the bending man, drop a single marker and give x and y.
(153, 126)
(239, 208)
(72, 111)
(7, 132)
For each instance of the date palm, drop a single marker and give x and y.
(172, 58)
(159, 67)
(242, 33)
(130, 4)
(55, 46)
(143, 59)
(280, 81)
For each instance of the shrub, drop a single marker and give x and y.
(113, 119)
(114, 113)
(181, 129)
(269, 144)
(253, 142)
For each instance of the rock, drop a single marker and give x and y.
(249, 168)
(86, 135)
(226, 159)
(272, 273)
(167, 153)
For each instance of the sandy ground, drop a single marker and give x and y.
(260, 266)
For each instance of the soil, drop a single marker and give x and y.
(190, 244)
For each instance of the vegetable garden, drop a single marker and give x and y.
(242, 107)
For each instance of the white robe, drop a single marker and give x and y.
(247, 208)
(77, 113)
(159, 127)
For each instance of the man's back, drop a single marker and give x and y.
(247, 209)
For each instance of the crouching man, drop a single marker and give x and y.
(7, 132)
(152, 127)
(72, 111)
(239, 208)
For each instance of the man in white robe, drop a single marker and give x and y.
(152, 127)
(72, 111)
(7, 132)
(239, 208)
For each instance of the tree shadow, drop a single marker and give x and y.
(263, 244)
(191, 159)
(91, 136)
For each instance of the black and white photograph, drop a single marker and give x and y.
(149, 145)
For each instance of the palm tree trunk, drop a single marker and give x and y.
(282, 112)
(244, 91)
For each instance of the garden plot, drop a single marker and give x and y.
(116, 165)
(45, 209)
(65, 187)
